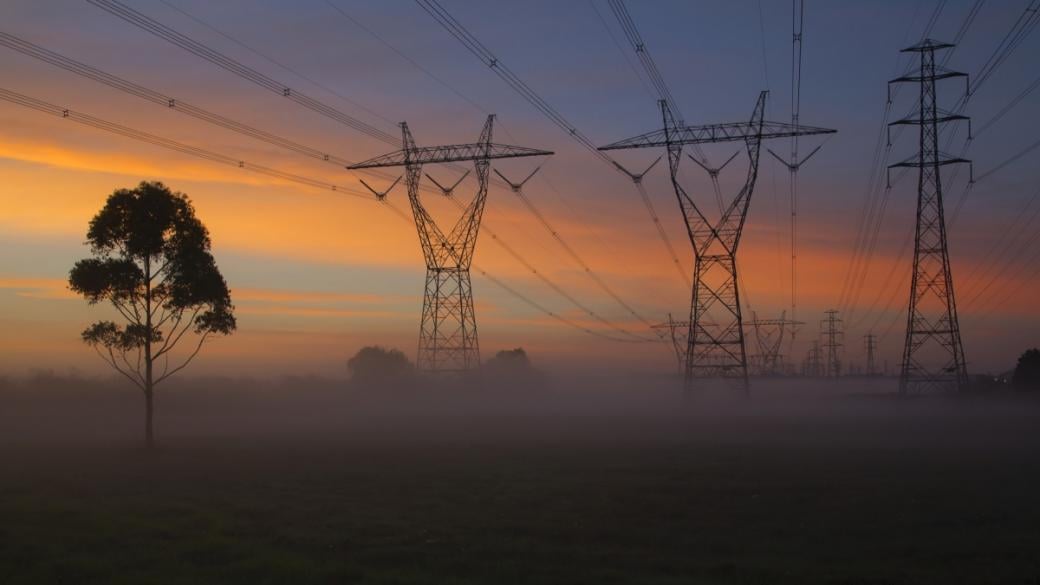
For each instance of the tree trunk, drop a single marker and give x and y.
(149, 386)
(149, 436)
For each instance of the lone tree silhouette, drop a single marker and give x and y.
(151, 260)
(1027, 372)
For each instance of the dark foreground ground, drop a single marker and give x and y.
(807, 489)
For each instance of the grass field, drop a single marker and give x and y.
(851, 490)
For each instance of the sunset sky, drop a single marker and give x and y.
(317, 274)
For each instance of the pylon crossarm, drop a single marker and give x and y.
(942, 160)
(715, 133)
(424, 155)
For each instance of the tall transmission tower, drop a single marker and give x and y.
(933, 356)
(448, 330)
(833, 340)
(717, 351)
(870, 345)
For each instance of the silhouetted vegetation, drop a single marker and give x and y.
(377, 365)
(1027, 372)
(151, 261)
(511, 366)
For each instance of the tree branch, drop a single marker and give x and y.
(111, 360)
(171, 341)
(135, 318)
(165, 316)
(202, 339)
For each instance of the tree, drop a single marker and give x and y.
(512, 367)
(1027, 372)
(374, 364)
(510, 360)
(151, 261)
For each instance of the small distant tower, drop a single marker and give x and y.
(870, 344)
(770, 335)
(833, 340)
(813, 365)
(677, 331)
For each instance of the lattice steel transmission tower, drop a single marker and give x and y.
(813, 365)
(448, 330)
(715, 351)
(677, 331)
(833, 341)
(870, 345)
(769, 336)
(933, 356)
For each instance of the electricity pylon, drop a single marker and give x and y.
(813, 366)
(718, 351)
(833, 340)
(448, 330)
(870, 344)
(676, 332)
(769, 336)
(933, 356)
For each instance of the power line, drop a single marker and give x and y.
(88, 120)
(628, 26)
(276, 63)
(37, 52)
(166, 33)
(475, 47)
(518, 190)
(624, 55)
(169, 102)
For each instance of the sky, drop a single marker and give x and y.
(316, 274)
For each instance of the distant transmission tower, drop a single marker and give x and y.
(870, 345)
(717, 351)
(770, 335)
(833, 340)
(933, 357)
(677, 331)
(448, 331)
(812, 367)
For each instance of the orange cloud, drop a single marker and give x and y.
(38, 288)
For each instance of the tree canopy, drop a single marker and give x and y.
(1027, 372)
(375, 364)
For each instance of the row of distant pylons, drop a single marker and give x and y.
(825, 357)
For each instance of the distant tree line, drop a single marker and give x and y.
(1027, 371)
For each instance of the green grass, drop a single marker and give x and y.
(731, 499)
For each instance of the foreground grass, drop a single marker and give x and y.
(662, 501)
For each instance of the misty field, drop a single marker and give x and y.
(319, 487)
